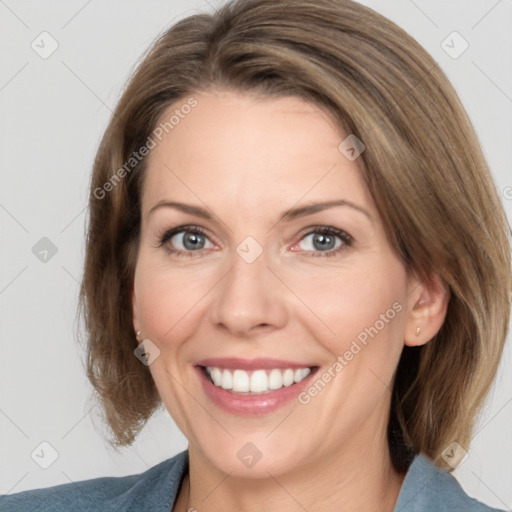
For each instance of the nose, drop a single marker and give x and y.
(249, 299)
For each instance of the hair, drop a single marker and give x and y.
(423, 166)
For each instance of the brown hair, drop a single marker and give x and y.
(423, 166)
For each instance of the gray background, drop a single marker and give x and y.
(53, 113)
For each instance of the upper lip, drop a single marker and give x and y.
(250, 364)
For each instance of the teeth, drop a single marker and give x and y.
(240, 380)
(227, 380)
(257, 381)
(216, 376)
(288, 377)
(275, 379)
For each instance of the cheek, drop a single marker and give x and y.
(360, 320)
(169, 299)
(360, 310)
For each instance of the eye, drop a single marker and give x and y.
(325, 241)
(184, 240)
(191, 240)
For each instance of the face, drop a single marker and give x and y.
(230, 282)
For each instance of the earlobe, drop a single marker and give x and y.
(427, 307)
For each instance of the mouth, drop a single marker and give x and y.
(255, 382)
(253, 387)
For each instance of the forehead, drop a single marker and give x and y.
(250, 149)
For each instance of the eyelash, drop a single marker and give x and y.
(165, 235)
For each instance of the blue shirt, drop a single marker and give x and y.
(426, 488)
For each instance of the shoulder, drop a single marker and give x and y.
(154, 490)
(427, 487)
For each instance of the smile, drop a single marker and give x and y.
(255, 386)
(256, 381)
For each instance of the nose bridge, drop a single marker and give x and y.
(249, 296)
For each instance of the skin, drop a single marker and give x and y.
(247, 159)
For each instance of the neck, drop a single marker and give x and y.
(360, 479)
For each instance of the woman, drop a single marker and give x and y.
(295, 246)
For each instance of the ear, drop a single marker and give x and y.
(427, 303)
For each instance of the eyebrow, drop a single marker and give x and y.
(288, 215)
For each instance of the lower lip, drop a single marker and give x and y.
(251, 405)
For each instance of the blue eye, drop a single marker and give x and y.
(191, 240)
(326, 241)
